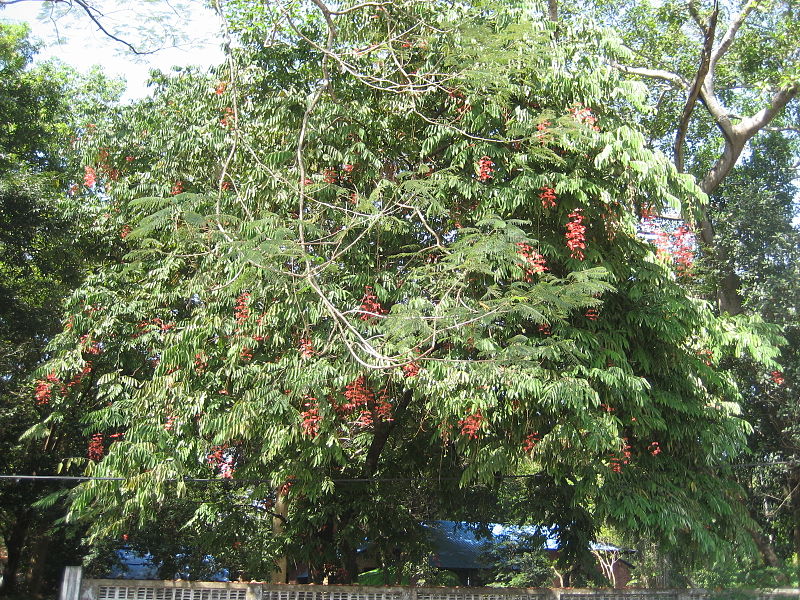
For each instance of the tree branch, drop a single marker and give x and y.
(727, 39)
(705, 61)
(675, 79)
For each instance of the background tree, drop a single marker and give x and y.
(392, 243)
(45, 241)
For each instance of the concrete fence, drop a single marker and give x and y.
(74, 587)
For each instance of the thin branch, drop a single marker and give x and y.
(675, 79)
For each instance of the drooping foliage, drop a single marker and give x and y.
(381, 256)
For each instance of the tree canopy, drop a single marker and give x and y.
(387, 252)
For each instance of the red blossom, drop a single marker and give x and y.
(485, 169)
(220, 89)
(548, 197)
(529, 443)
(310, 418)
(329, 176)
(95, 449)
(306, 348)
(576, 234)
(222, 461)
(777, 377)
(471, 425)
(370, 305)
(543, 126)
(592, 314)
(584, 115)
(544, 329)
(242, 308)
(411, 369)
(125, 232)
(177, 188)
(534, 262)
(654, 449)
(89, 177)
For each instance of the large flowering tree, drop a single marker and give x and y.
(386, 253)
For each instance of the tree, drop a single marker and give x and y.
(38, 266)
(389, 245)
(739, 59)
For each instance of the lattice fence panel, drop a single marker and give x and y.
(122, 592)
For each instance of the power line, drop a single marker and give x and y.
(84, 478)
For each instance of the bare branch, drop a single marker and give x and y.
(675, 79)
(705, 61)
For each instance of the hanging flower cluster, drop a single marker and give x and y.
(617, 462)
(534, 262)
(221, 460)
(89, 176)
(44, 389)
(370, 407)
(221, 87)
(654, 449)
(576, 234)
(411, 369)
(485, 169)
(683, 249)
(529, 443)
(592, 314)
(471, 425)
(583, 114)
(370, 305)
(548, 197)
(95, 450)
(242, 308)
(310, 418)
(544, 329)
(329, 176)
(177, 188)
(306, 348)
(89, 346)
(777, 377)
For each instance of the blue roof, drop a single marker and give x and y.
(462, 545)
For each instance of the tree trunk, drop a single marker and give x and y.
(39, 554)
(14, 546)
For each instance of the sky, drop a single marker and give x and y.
(84, 45)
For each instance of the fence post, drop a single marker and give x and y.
(71, 584)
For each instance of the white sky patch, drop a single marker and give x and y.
(83, 45)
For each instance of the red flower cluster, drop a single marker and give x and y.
(777, 377)
(617, 462)
(592, 314)
(348, 168)
(79, 376)
(358, 395)
(411, 369)
(169, 425)
(485, 169)
(707, 356)
(543, 126)
(89, 346)
(177, 188)
(89, 177)
(329, 176)
(576, 234)
(471, 425)
(544, 329)
(221, 460)
(125, 232)
(654, 449)
(200, 362)
(306, 348)
(370, 305)
(584, 115)
(548, 197)
(44, 389)
(227, 119)
(530, 441)
(221, 87)
(242, 308)
(310, 418)
(95, 450)
(534, 262)
(683, 248)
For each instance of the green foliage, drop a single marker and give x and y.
(332, 278)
